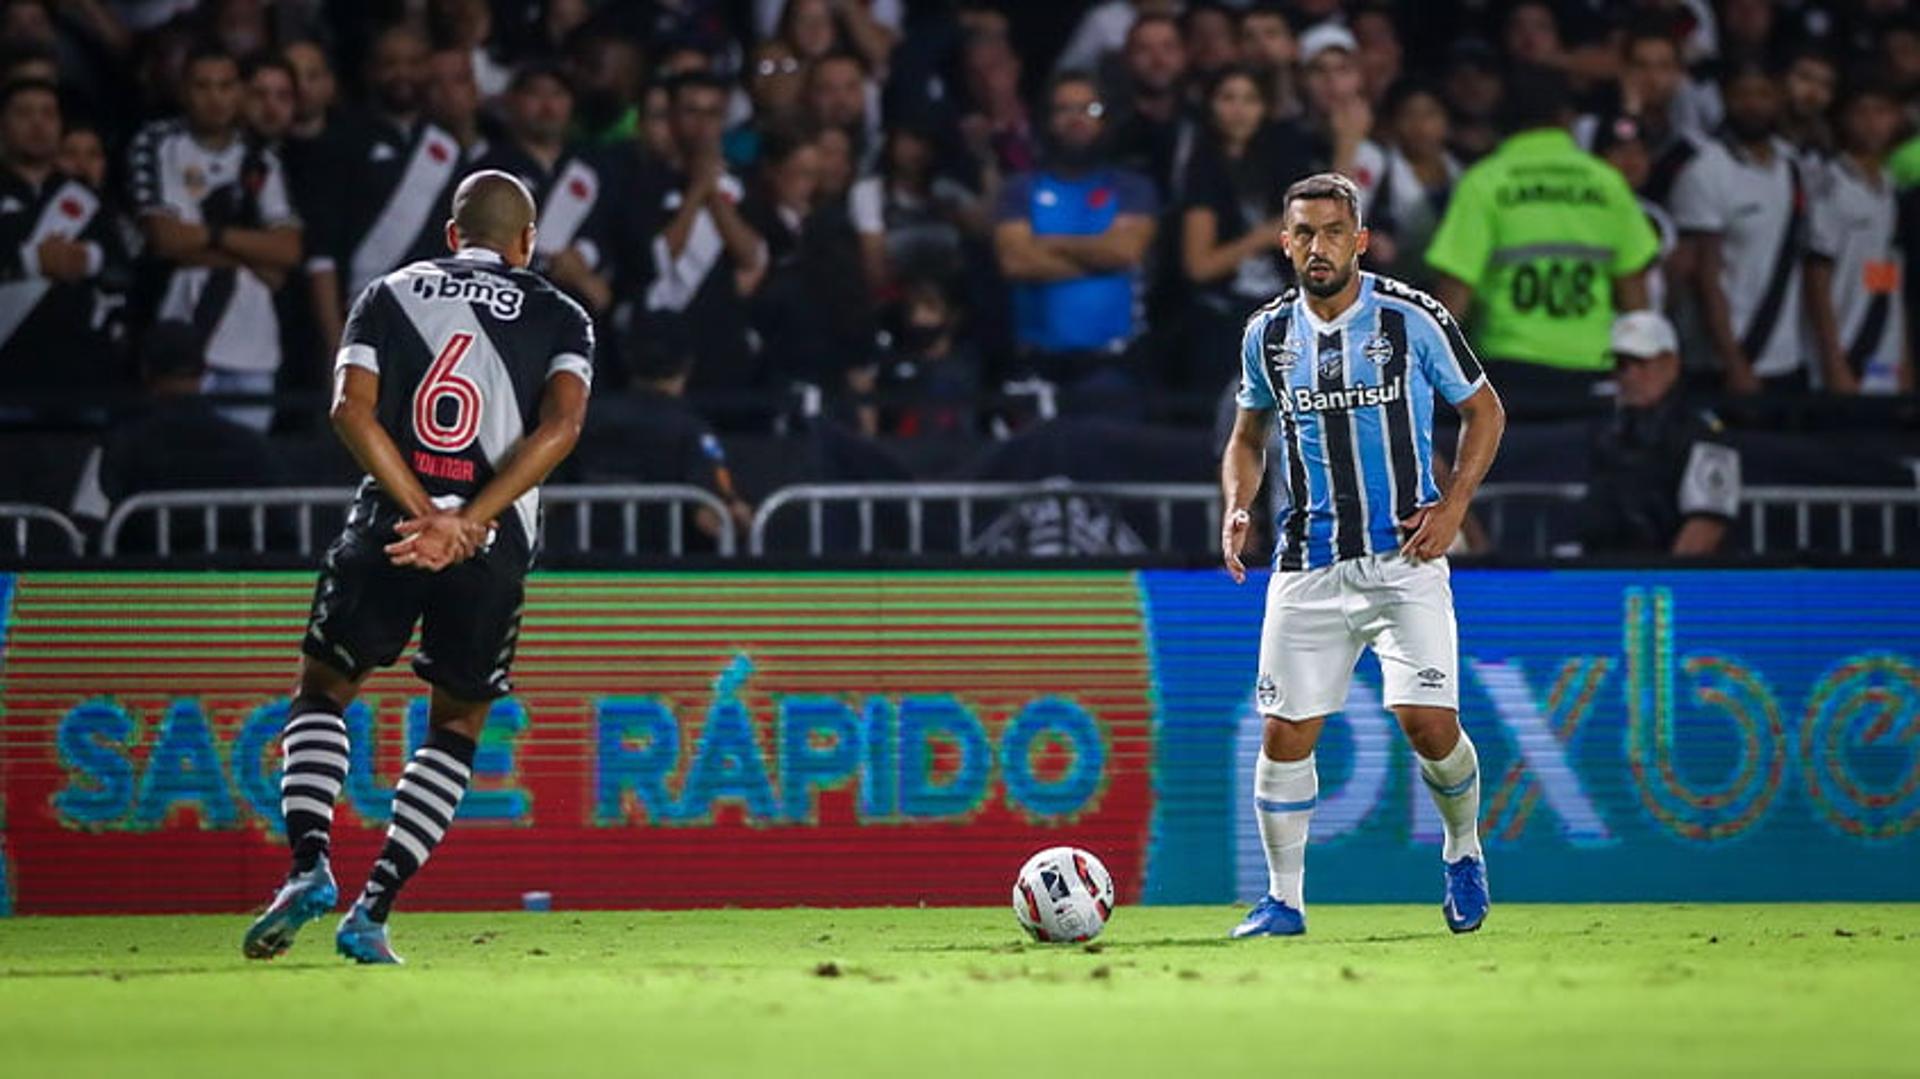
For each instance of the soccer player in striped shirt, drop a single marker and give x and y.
(1349, 365)
(460, 384)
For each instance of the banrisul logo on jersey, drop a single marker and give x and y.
(822, 739)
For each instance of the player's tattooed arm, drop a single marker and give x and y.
(1241, 469)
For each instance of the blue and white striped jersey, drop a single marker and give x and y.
(1355, 404)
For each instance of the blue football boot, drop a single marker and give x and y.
(304, 897)
(1467, 898)
(364, 940)
(1271, 918)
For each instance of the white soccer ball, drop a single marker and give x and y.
(1063, 894)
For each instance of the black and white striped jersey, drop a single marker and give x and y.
(387, 193)
(1759, 211)
(568, 196)
(56, 333)
(238, 185)
(464, 347)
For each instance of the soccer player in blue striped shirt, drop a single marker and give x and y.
(1349, 364)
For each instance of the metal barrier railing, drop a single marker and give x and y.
(302, 502)
(1494, 499)
(256, 501)
(916, 498)
(1853, 520)
(1841, 505)
(674, 498)
(1845, 501)
(23, 517)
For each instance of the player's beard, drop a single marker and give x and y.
(1334, 282)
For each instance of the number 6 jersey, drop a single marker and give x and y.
(464, 347)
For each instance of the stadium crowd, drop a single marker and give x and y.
(926, 219)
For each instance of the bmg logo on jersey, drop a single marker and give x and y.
(502, 298)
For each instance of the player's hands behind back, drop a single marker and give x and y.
(436, 541)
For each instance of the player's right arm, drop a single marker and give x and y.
(356, 402)
(1245, 461)
(1241, 468)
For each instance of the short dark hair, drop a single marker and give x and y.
(1324, 185)
(1650, 29)
(261, 61)
(1148, 20)
(1873, 83)
(1269, 9)
(1204, 7)
(695, 80)
(1748, 68)
(1537, 96)
(662, 347)
(525, 74)
(205, 51)
(1405, 89)
(1069, 77)
(1814, 52)
(778, 146)
(15, 87)
(172, 348)
(1237, 71)
(840, 56)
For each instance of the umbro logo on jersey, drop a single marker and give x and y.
(1283, 357)
(1431, 678)
(1378, 350)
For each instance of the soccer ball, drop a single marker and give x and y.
(1063, 894)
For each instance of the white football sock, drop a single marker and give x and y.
(1454, 781)
(1284, 793)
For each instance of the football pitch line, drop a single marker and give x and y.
(1623, 991)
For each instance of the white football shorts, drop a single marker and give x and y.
(1318, 620)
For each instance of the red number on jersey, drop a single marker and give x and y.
(441, 384)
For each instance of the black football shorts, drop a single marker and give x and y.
(365, 608)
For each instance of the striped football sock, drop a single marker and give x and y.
(1454, 782)
(423, 807)
(314, 756)
(1284, 794)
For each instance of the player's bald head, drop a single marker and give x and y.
(492, 208)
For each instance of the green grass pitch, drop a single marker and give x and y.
(1624, 992)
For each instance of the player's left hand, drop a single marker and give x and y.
(1432, 529)
(436, 541)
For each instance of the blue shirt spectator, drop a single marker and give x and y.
(1072, 237)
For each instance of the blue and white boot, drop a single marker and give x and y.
(1271, 918)
(364, 940)
(1467, 898)
(304, 897)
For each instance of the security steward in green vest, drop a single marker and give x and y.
(1541, 245)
